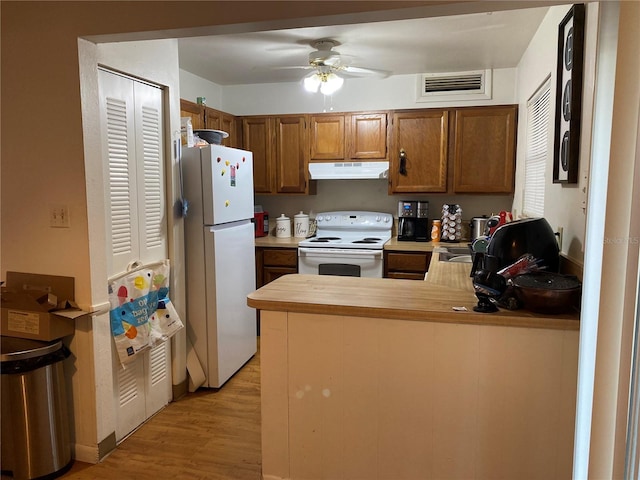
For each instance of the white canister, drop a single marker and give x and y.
(301, 225)
(283, 226)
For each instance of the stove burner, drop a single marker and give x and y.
(324, 239)
(367, 240)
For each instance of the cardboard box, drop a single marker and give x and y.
(38, 307)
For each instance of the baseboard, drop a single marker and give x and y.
(108, 445)
(180, 390)
(86, 453)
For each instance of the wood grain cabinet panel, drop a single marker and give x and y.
(272, 263)
(217, 120)
(210, 118)
(484, 152)
(327, 137)
(193, 111)
(422, 136)
(291, 154)
(280, 153)
(367, 136)
(257, 136)
(407, 265)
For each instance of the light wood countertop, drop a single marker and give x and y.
(395, 299)
(398, 246)
(275, 242)
(391, 245)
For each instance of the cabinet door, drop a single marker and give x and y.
(228, 124)
(367, 136)
(212, 118)
(257, 137)
(484, 150)
(423, 137)
(407, 265)
(327, 137)
(291, 154)
(195, 112)
(271, 273)
(217, 120)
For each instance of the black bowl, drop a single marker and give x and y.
(213, 137)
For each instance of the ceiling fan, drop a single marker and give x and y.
(329, 67)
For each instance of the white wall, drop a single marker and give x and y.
(192, 87)
(565, 206)
(395, 92)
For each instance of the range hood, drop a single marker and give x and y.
(348, 170)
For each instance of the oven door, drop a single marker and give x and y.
(340, 261)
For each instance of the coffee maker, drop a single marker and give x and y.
(407, 212)
(422, 229)
(413, 221)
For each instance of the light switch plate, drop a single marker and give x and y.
(59, 216)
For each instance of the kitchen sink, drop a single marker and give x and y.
(454, 254)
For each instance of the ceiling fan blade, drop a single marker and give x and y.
(292, 67)
(361, 72)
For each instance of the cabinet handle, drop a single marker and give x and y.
(403, 162)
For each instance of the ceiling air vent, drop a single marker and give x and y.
(437, 87)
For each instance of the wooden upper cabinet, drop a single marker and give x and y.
(291, 154)
(257, 136)
(194, 111)
(423, 136)
(280, 147)
(484, 149)
(229, 124)
(206, 117)
(327, 137)
(217, 120)
(367, 136)
(212, 118)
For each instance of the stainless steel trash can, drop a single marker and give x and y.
(34, 417)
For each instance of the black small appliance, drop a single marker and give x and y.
(423, 229)
(512, 240)
(407, 213)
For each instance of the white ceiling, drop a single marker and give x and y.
(425, 45)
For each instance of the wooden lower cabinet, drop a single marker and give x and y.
(272, 263)
(407, 265)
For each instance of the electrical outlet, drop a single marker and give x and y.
(59, 216)
(559, 237)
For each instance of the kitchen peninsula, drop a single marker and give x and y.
(382, 378)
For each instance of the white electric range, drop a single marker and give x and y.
(348, 243)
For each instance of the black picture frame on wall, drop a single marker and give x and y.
(569, 96)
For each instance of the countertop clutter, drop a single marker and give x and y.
(446, 296)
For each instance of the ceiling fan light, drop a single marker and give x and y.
(332, 84)
(312, 82)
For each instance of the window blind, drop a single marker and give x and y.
(538, 117)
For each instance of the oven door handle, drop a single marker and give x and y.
(338, 252)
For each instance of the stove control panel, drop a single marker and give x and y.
(355, 220)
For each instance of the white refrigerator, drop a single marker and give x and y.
(220, 254)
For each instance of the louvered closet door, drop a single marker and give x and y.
(119, 152)
(150, 173)
(131, 114)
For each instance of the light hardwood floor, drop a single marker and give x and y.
(209, 434)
